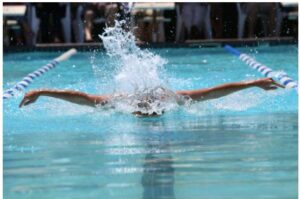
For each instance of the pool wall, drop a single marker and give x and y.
(187, 44)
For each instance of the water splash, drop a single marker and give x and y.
(139, 74)
(136, 69)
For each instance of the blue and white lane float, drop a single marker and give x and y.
(37, 73)
(282, 77)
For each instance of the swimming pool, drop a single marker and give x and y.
(241, 146)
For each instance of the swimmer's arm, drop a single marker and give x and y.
(226, 89)
(67, 95)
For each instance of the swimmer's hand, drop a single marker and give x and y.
(29, 98)
(267, 84)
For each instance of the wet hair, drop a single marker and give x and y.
(141, 114)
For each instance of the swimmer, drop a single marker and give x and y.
(195, 95)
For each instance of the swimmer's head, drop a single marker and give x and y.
(143, 104)
(148, 102)
(141, 114)
(147, 108)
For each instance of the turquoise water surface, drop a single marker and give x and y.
(240, 146)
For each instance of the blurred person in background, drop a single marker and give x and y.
(196, 20)
(50, 15)
(217, 20)
(96, 17)
(77, 22)
(264, 19)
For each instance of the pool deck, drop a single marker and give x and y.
(188, 43)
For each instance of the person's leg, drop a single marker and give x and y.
(45, 28)
(28, 33)
(187, 17)
(252, 10)
(272, 18)
(110, 14)
(88, 26)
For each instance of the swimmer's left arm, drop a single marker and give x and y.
(67, 95)
(226, 89)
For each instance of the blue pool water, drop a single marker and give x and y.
(240, 146)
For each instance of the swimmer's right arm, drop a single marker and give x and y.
(67, 95)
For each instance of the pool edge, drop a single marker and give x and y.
(187, 44)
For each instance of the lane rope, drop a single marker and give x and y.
(27, 80)
(282, 77)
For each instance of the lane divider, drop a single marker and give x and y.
(37, 73)
(282, 77)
